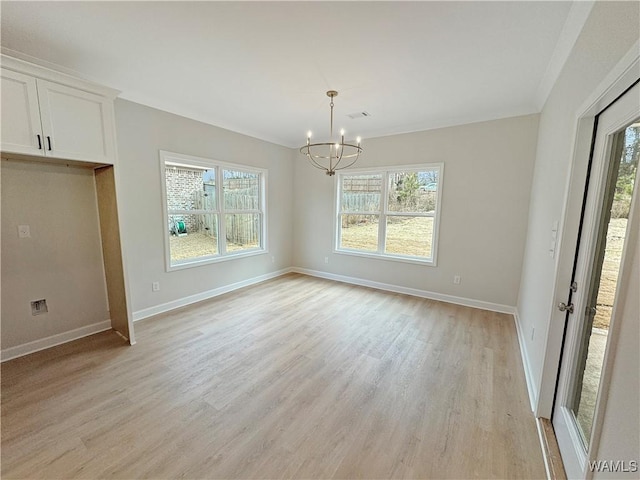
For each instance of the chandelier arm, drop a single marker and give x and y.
(315, 164)
(307, 150)
(354, 161)
(351, 163)
(340, 157)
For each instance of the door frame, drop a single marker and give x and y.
(619, 80)
(575, 456)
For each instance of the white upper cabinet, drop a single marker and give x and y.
(21, 129)
(75, 124)
(46, 113)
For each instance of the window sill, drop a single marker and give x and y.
(428, 262)
(216, 259)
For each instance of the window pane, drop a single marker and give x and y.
(190, 188)
(243, 231)
(192, 236)
(241, 190)
(359, 232)
(413, 191)
(361, 193)
(409, 236)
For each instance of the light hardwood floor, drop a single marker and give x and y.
(297, 377)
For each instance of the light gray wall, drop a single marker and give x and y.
(61, 261)
(141, 133)
(488, 168)
(609, 33)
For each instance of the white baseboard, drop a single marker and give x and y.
(198, 297)
(48, 342)
(533, 398)
(466, 302)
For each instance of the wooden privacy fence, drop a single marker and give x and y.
(241, 228)
(361, 202)
(362, 183)
(245, 199)
(370, 202)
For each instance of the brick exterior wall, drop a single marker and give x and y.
(182, 185)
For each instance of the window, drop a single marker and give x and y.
(213, 211)
(390, 213)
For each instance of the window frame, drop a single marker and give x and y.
(384, 212)
(220, 211)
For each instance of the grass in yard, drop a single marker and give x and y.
(192, 245)
(406, 236)
(196, 245)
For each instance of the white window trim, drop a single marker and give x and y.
(383, 213)
(180, 159)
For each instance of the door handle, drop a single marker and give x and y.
(49, 142)
(39, 142)
(563, 307)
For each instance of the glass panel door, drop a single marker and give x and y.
(605, 269)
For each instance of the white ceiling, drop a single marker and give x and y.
(262, 68)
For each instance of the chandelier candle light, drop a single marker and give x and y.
(328, 156)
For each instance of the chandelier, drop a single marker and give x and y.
(328, 156)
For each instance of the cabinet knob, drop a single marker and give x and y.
(49, 142)
(39, 142)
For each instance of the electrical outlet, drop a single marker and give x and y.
(456, 279)
(326, 259)
(155, 286)
(38, 307)
(273, 259)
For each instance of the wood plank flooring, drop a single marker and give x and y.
(297, 377)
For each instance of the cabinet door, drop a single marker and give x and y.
(77, 125)
(21, 129)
